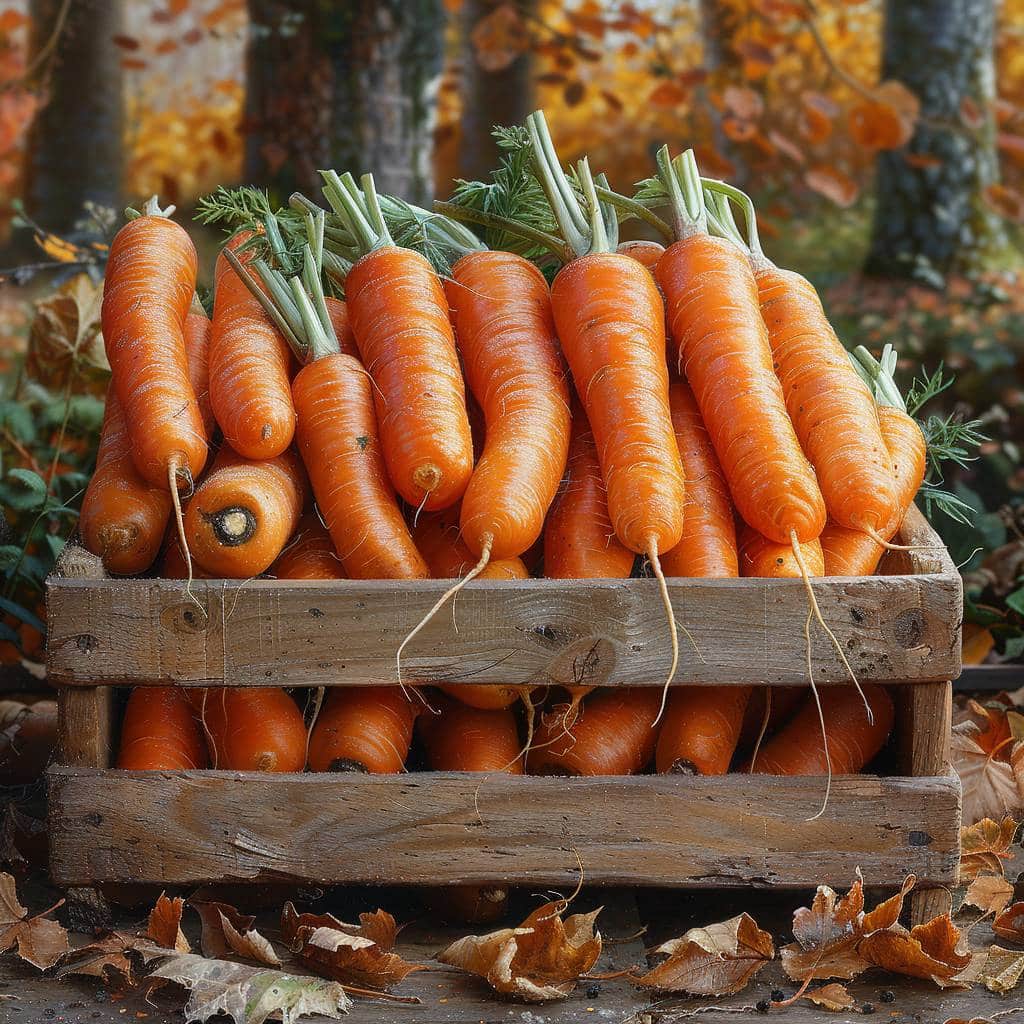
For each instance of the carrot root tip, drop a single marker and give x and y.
(232, 526)
(347, 764)
(427, 477)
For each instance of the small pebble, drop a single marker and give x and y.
(593, 991)
(778, 995)
(868, 1008)
(49, 1012)
(763, 1006)
(888, 997)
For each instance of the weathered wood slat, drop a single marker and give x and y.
(600, 632)
(426, 828)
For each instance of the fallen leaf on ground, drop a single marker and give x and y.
(928, 951)
(360, 955)
(833, 997)
(989, 893)
(983, 744)
(249, 995)
(985, 845)
(39, 941)
(998, 969)
(226, 932)
(713, 961)
(105, 958)
(1010, 923)
(164, 926)
(540, 960)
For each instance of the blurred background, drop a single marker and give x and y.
(883, 141)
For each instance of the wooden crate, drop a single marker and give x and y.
(444, 828)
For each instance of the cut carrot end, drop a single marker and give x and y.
(450, 593)
(666, 600)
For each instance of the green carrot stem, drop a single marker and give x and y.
(359, 213)
(599, 241)
(552, 243)
(321, 341)
(151, 208)
(609, 214)
(276, 315)
(634, 209)
(879, 378)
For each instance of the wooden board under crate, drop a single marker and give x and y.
(902, 628)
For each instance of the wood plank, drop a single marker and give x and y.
(85, 726)
(188, 827)
(599, 632)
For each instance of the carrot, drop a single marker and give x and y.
(309, 555)
(613, 735)
(243, 513)
(854, 552)
(831, 408)
(437, 536)
(363, 729)
(701, 729)
(258, 729)
(767, 710)
(159, 731)
(148, 289)
(399, 318)
(579, 541)
(249, 367)
(707, 547)
(764, 558)
(853, 739)
(609, 319)
(123, 517)
(173, 565)
(644, 251)
(465, 739)
(337, 311)
(336, 433)
(723, 350)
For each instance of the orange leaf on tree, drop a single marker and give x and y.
(833, 184)
(667, 94)
(737, 130)
(12, 19)
(744, 102)
(712, 163)
(499, 38)
(817, 113)
(1012, 146)
(786, 145)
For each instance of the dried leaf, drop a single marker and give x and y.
(980, 749)
(1010, 923)
(712, 961)
(927, 951)
(833, 184)
(989, 893)
(39, 941)
(164, 926)
(359, 955)
(737, 130)
(499, 38)
(249, 995)
(985, 845)
(667, 94)
(102, 959)
(834, 997)
(745, 103)
(226, 932)
(998, 969)
(538, 961)
(816, 114)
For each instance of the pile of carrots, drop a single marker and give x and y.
(358, 408)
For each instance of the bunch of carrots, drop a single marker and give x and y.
(380, 395)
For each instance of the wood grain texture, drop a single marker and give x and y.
(85, 726)
(188, 827)
(611, 632)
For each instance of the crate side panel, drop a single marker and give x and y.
(192, 827)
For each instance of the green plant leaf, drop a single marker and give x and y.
(23, 490)
(22, 614)
(1016, 601)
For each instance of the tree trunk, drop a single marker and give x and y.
(933, 220)
(74, 150)
(489, 98)
(344, 85)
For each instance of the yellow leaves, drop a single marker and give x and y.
(998, 969)
(985, 845)
(711, 961)
(499, 38)
(977, 643)
(540, 960)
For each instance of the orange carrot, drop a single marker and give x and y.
(609, 319)
(784, 700)
(249, 367)
(243, 513)
(363, 729)
(197, 353)
(644, 251)
(159, 731)
(501, 310)
(708, 545)
(437, 536)
(762, 557)
(465, 739)
(309, 555)
(338, 313)
(613, 735)
(258, 729)
(701, 729)
(148, 289)
(399, 318)
(579, 541)
(799, 748)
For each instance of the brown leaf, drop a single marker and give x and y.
(981, 747)
(985, 845)
(1010, 923)
(39, 941)
(737, 130)
(164, 926)
(227, 932)
(102, 959)
(989, 893)
(667, 94)
(573, 93)
(1012, 146)
(712, 162)
(834, 997)
(998, 969)
(833, 184)
(711, 961)
(538, 961)
(817, 113)
(499, 38)
(743, 102)
(786, 145)
(927, 951)
(359, 955)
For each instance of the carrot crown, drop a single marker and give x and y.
(717, 195)
(587, 225)
(151, 208)
(879, 375)
(359, 211)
